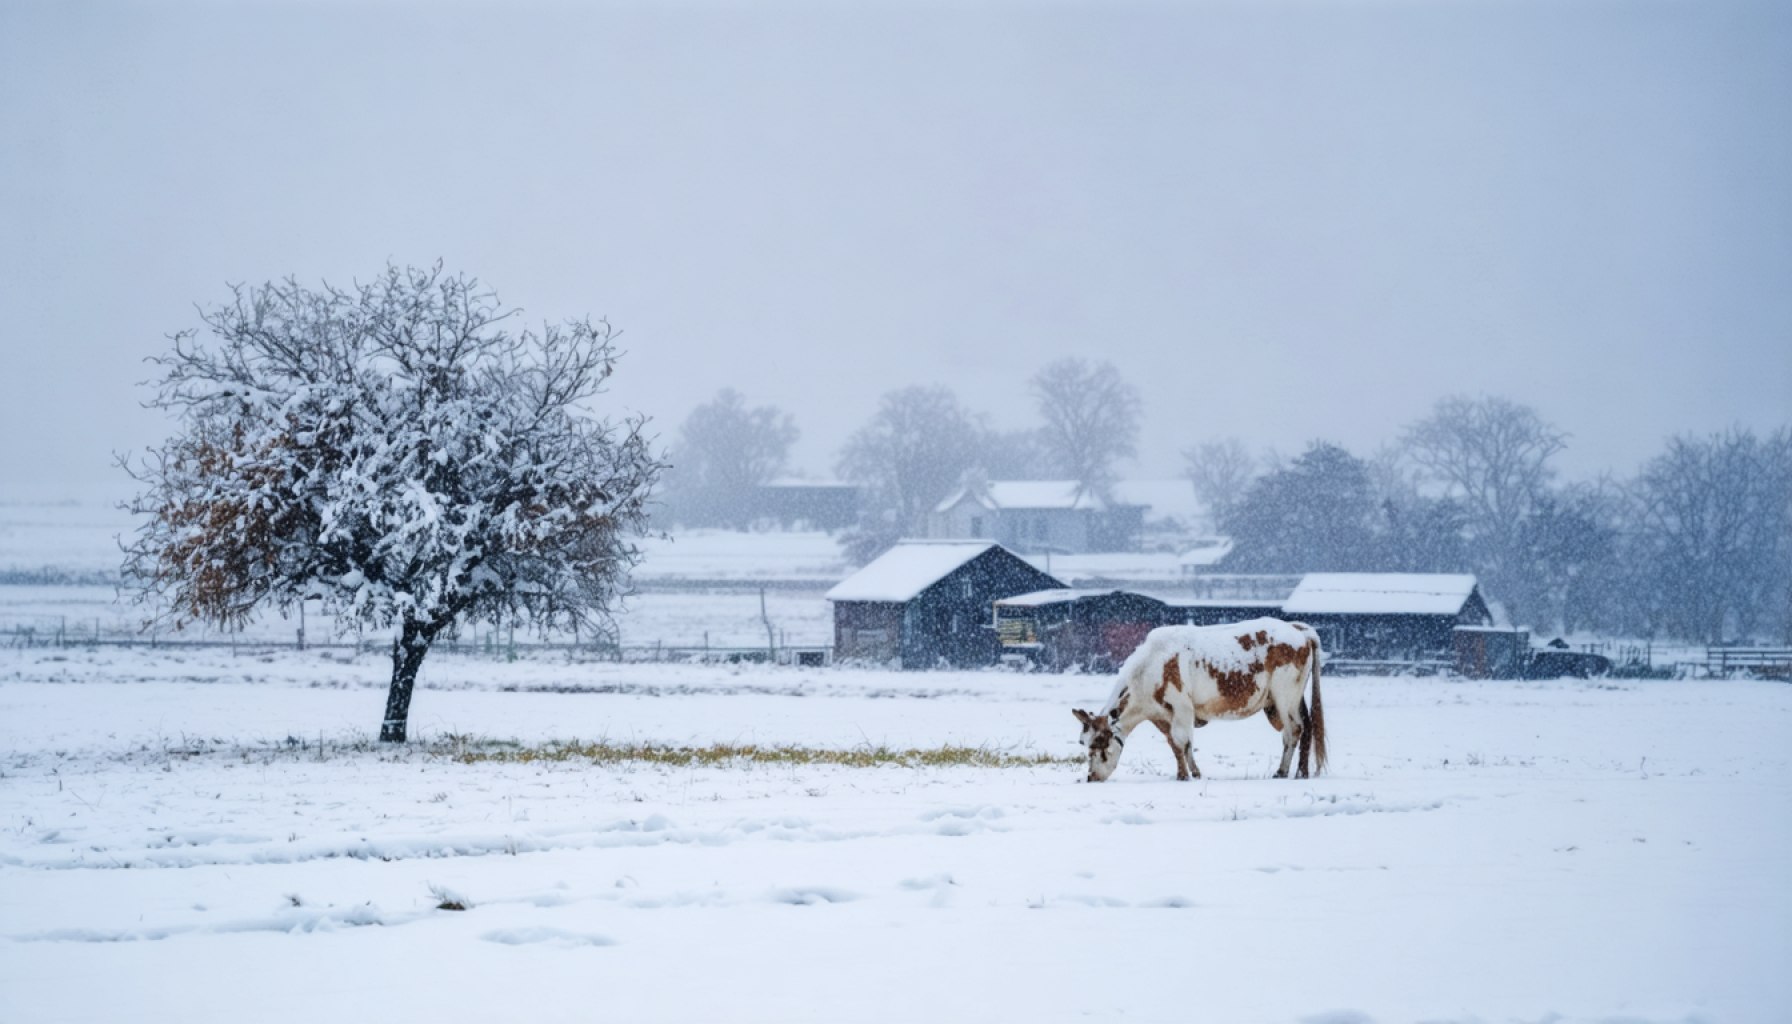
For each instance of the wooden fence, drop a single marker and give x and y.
(1771, 662)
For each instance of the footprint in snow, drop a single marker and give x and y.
(809, 896)
(545, 936)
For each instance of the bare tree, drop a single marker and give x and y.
(1091, 420)
(1714, 525)
(1494, 455)
(912, 453)
(725, 450)
(391, 450)
(1013, 455)
(1221, 471)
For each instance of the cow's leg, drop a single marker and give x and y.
(1182, 766)
(1182, 741)
(1296, 723)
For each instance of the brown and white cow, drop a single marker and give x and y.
(1183, 677)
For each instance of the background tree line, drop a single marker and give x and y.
(1697, 545)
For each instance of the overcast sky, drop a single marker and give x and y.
(1282, 221)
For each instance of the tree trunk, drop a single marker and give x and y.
(407, 656)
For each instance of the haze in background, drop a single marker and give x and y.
(1280, 221)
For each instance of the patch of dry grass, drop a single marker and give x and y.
(724, 755)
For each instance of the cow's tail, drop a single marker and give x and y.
(1312, 738)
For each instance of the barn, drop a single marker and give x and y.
(1387, 616)
(924, 603)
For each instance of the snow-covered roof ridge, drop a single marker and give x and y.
(1057, 595)
(1390, 593)
(901, 573)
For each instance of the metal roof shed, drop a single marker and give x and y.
(1387, 615)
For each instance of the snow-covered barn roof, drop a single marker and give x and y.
(1026, 494)
(1380, 593)
(901, 573)
(1059, 595)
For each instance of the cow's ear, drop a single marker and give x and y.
(1081, 715)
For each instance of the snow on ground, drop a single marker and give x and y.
(176, 845)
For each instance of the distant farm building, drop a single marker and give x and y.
(1062, 628)
(807, 504)
(1037, 516)
(1096, 629)
(925, 603)
(1387, 616)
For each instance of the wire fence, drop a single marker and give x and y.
(492, 642)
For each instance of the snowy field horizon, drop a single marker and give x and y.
(217, 839)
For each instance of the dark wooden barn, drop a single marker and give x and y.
(1387, 616)
(926, 603)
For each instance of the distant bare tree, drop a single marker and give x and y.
(1014, 455)
(912, 453)
(1494, 454)
(725, 450)
(1091, 420)
(1714, 522)
(1221, 471)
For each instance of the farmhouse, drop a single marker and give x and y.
(1404, 616)
(923, 603)
(1037, 516)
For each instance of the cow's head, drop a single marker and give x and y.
(1102, 741)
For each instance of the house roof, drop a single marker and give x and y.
(901, 573)
(1380, 593)
(1207, 551)
(1026, 494)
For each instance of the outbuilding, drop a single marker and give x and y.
(1385, 616)
(925, 603)
(1064, 628)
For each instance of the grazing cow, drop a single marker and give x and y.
(1183, 677)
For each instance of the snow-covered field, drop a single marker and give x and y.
(175, 844)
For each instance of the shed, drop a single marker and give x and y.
(1387, 616)
(922, 603)
(1065, 628)
(1489, 652)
